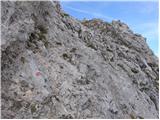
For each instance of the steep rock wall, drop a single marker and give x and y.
(54, 66)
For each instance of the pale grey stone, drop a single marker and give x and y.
(55, 66)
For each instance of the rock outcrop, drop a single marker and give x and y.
(54, 66)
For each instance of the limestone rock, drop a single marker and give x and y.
(54, 66)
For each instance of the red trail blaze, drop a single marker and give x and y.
(38, 73)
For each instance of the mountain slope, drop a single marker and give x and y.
(54, 66)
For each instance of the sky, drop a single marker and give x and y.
(140, 16)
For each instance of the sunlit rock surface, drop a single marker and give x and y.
(54, 66)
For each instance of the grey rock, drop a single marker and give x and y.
(54, 66)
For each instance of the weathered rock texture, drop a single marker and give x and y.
(54, 66)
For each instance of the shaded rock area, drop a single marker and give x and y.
(54, 66)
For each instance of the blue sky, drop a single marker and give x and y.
(142, 17)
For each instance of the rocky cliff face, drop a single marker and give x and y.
(54, 66)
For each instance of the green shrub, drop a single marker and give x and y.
(65, 56)
(65, 14)
(41, 36)
(43, 29)
(132, 116)
(33, 108)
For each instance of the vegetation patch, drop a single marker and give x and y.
(65, 56)
(156, 83)
(33, 108)
(43, 29)
(132, 116)
(38, 35)
(65, 15)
